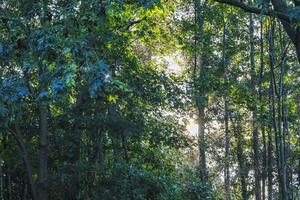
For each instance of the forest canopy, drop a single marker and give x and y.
(149, 99)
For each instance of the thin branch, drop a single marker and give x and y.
(132, 23)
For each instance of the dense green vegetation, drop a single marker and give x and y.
(149, 99)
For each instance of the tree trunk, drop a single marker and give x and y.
(226, 119)
(282, 132)
(255, 144)
(262, 122)
(241, 157)
(18, 136)
(76, 132)
(270, 147)
(101, 153)
(227, 153)
(43, 121)
(289, 172)
(124, 146)
(199, 74)
(75, 162)
(273, 103)
(43, 157)
(202, 144)
(264, 163)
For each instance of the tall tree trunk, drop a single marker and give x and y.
(74, 186)
(43, 157)
(43, 121)
(272, 111)
(202, 143)
(270, 147)
(289, 172)
(277, 92)
(262, 122)
(18, 136)
(76, 132)
(255, 144)
(273, 95)
(281, 116)
(227, 153)
(226, 118)
(199, 75)
(281, 156)
(243, 172)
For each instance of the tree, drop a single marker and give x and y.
(287, 16)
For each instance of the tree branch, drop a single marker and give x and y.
(132, 23)
(251, 9)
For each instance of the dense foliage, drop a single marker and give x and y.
(97, 97)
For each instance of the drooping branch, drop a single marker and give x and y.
(256, 10)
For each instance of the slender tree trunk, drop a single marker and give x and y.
(28, 166)
(270, 148)
(262, 122)
(281, 110)
(226, 118)
(273, 103)
(76, 131)
(227, 153)
(9, 192)
(199, 74)
(243, 172)
(255, 144)
(43, 121)
(124, 146)
(43, 157)
(202, 143)
(289, 172)
(264, 162)
(279, 134)
(282, 167)
(237, 129)
(277, 139)
(74, 186)
(101, 154)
